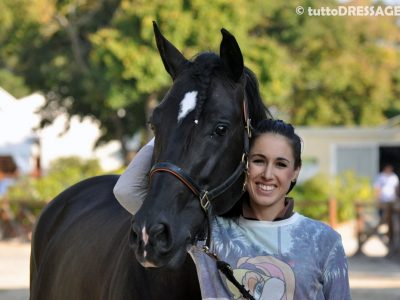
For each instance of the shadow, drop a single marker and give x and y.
(14, 294)
(374, 294)
(374, 277)
(374, 266)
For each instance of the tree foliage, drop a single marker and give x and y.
(312, 196)
(99, 58)
(63, 173)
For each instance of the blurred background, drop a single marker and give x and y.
(80, 78)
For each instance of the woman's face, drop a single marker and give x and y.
(271, 170)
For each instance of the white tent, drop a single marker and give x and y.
(18, 118)
(21, 138)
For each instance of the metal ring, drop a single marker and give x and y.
(204, 201)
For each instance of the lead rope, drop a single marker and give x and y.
(227, 270)
(223, 266)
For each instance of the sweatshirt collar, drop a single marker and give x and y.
(285, 213)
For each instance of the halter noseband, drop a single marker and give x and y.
(206, 196)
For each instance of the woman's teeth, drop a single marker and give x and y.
(265, 187)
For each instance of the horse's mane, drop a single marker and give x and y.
(257, 110)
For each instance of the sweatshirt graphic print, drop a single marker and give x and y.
(297, 258)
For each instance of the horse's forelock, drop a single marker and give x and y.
(208, 65)
(204, 66)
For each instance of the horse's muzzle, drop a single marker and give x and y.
(153, 246)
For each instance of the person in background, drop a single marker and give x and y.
(275, 252)
(386, 186)
(8, 174)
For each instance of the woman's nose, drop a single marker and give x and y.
(267, 172)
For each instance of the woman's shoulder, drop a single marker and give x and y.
(318, 227)
(295, 222)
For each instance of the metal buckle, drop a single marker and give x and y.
(209, 253)
(204, 201)
(248, 127)
(245, 160)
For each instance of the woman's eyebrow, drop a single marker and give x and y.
(257, 154)
(283, 158)
(263, 156)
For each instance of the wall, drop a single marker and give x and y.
(329, 145)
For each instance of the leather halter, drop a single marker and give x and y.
(206, 196)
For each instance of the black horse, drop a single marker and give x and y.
(86, 246)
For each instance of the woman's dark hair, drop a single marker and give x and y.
(276, 127)
(281, 128)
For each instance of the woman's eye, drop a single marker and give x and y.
(281, 164)
(258, 161)
(221, 130)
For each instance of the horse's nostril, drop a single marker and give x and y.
(155, 238)
(159, 235)
(134, 237)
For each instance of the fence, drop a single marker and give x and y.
(18, 221)
(17, 218)
(369, 223)
(330, 214)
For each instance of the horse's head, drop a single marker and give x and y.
(200, 138)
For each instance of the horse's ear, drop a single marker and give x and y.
(173, 60)
(231, 55)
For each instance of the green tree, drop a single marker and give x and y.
(62, 173)
(17, 22)
(98, 58)
(345, 66)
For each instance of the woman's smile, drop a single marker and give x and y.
(265, 187)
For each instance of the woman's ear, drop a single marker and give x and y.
(294, 180)
(296, 174)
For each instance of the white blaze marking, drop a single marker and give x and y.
(188, 103)
(145, 236)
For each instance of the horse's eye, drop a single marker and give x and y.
(151, 126)
(221, 130)
(151, 123)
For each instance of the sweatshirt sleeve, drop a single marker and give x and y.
(336, 278)
(131, 187)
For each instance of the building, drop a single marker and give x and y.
(363, 150)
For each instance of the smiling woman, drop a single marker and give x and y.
(275, 253)
(272, 169)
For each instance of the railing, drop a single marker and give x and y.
(330, 214)
(18, 221)
(367, 221)
(369, 224)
